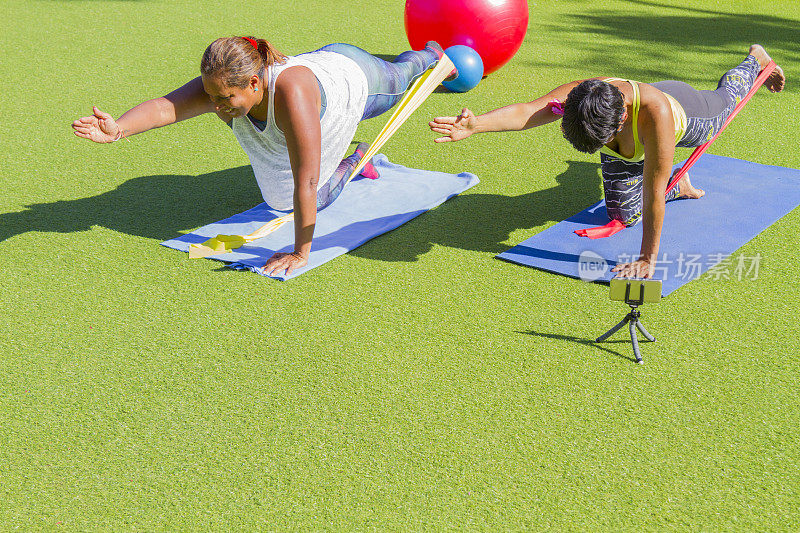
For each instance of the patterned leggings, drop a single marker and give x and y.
(706, 112)
(386, 83)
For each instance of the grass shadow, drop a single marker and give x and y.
(608, 39)
(164, 206)
(156, 207)
(483, 222)
(585, 342)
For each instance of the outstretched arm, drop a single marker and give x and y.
(512, 117)
(657, 132)
(185, 102)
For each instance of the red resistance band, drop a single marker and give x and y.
(615, 226)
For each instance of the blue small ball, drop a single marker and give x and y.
(469, 65)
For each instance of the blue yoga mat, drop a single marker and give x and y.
(742, 199)
(365, 209)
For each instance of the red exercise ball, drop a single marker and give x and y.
(493, 28)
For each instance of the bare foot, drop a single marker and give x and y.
(687, 190)
(776, 80)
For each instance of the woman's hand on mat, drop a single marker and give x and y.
(454, 128)
(99, 127)
(637, 269)
(288, 262)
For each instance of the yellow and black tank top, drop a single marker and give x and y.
(678, 116)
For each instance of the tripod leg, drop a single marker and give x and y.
(635, 341)
(644, 332)
(613, 330)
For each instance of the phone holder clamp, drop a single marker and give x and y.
(633, 322)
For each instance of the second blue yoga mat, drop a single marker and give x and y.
(742, 199)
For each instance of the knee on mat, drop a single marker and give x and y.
(628, 221)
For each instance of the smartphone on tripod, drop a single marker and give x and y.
(635, 291)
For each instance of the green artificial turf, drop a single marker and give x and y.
(416, 383)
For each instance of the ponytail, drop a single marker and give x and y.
(268, 53)
(236, 59)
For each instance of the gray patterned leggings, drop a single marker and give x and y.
(706, 112)
(386, 82)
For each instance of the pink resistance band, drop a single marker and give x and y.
(615, 226)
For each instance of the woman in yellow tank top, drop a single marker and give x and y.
(636, 127)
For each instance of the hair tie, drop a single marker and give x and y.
(556, 106)
(251, 41)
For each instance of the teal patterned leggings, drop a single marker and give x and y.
(387, 81)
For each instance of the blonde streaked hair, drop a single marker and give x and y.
(234, 60)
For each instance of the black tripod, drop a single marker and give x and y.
(632, 319)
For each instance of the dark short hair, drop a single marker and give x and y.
(592, 114)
